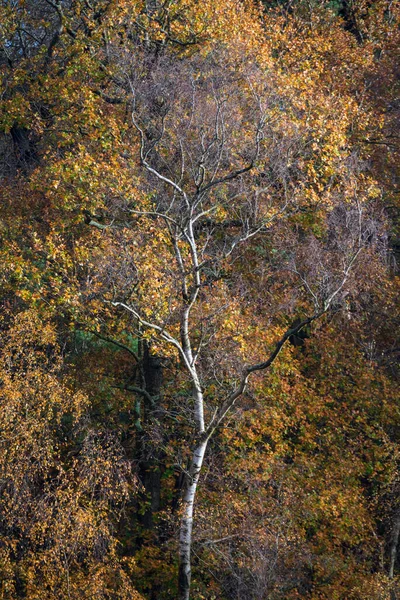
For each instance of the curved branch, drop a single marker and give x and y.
(115, 343)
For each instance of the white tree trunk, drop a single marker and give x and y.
(185, 536)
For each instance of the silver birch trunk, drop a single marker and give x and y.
(185, 535)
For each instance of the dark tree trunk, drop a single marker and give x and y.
(394, 543)
(151, 454)
(24, 147)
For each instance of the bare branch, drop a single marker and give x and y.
(115, 343)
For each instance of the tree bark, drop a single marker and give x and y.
(394, 544)
(185, 536)
(151, 466)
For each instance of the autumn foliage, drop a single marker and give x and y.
(199, 240)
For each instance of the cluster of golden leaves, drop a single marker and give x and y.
(294, 461)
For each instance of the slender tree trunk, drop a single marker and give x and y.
(394, 544)
(185, 536)
(151, 458)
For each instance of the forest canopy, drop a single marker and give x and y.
(199, 239)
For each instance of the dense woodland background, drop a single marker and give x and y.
(198, 239)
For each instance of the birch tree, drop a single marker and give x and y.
(223, 167)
